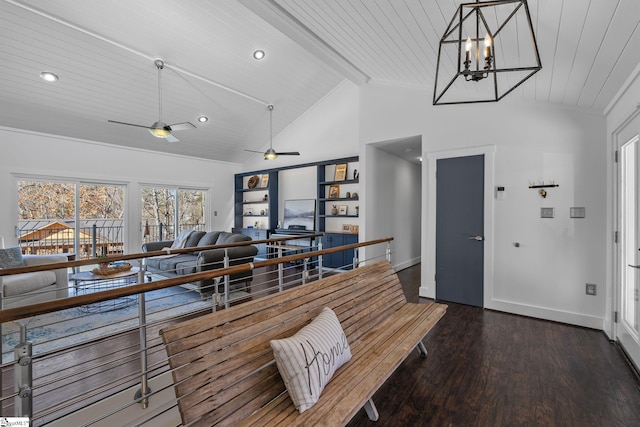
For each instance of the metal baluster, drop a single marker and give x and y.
(305, 270)
(280, 269)
(142, 319)
(356, 258)
(226, 279)
(319, 260)
(388, 251)
(94, 240)
(23, 372)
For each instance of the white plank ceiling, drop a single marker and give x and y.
(103, 51)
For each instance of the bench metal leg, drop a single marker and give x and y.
(422, 349)
(371, 410)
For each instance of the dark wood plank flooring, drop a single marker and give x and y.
(484, 368)
(487, 368)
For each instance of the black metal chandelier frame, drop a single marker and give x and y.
(473, 72)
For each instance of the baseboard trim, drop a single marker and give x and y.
(545, 313)
(406, 264)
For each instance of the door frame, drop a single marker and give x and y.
(614, 298)
(428, 285)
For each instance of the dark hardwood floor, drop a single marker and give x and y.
(484, 368)
(487, 368)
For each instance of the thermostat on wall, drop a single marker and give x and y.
(501, 193)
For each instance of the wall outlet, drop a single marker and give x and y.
(591, 289)
(546, 212)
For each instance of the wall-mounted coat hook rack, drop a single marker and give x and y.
(541, 187)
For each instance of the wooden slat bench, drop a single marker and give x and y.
(224, 370)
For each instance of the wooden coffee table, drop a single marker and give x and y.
(86, 282)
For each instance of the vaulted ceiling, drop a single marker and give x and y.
(104, 51)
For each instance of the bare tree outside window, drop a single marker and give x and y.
(47, 218)
(167, 211)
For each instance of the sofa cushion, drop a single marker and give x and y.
(19, 284)
(225, 237)
(210, 238)
(169, 264)
(194, 238)
(187, 267)
(11, 258)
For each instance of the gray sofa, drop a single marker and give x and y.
(31, 288)
(197, 261)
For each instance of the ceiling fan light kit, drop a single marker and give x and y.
(272, 154)
(160, 129)
(500, 52)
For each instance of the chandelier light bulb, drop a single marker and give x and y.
(487, 46)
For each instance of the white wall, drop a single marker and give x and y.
(33, 154)
(545, 277)
(328, 130)
(394, 207)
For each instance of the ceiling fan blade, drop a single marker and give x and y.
(182, 126)
(128, 124)
(288, 153)
(171, 138)
(254, 151)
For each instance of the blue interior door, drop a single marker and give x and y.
(460, 230)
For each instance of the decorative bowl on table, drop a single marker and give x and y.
(111, 269)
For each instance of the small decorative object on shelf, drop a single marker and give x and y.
(354, 195)
(341, 172)
(334, 191)
(356, 174)
(348, 195)
(266, 198)
(357, 210)
(265, 180)
(334, 210)
(342, 210)
(253, 181)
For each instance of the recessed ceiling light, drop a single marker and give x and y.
(258, 54)
(48, 76)
(203, 119)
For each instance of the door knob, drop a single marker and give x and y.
(480, 239)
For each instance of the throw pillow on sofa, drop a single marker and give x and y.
(11, 258)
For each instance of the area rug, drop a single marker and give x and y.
(54, 331)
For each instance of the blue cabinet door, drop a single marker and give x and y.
(342, 259)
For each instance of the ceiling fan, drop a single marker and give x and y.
(160, 129)
(271, 154)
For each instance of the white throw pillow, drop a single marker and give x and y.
(308, 359)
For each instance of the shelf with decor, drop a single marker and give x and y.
(256, 201)
(256, 205)
(338, 185)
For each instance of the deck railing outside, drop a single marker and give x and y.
(96, 358)
(101, 238)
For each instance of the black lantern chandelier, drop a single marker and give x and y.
(500, 52)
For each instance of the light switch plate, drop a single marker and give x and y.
(546, 212)
(577, 212)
